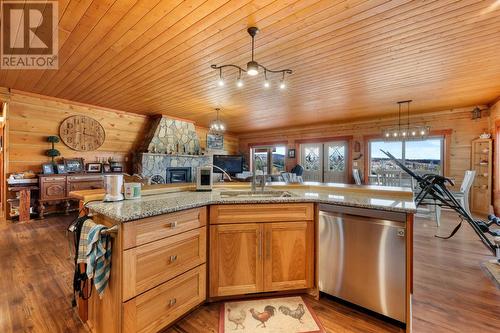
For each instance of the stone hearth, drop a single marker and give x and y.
(154, 166)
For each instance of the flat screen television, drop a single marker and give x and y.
(232, 164)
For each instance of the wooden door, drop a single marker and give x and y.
(311, 158)
(289, 255)
(335, 166)
(236, 259)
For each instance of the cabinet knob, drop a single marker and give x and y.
(173, 258)
(173, 225)
(172, 302)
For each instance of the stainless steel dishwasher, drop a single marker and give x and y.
(362, 258)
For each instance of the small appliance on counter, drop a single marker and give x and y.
(204, 178)
(113, 185)
(132, 191)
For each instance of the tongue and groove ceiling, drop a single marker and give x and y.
(351, 59)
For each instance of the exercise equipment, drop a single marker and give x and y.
(432, 190)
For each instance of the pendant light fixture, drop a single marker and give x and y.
(217, 126)
(405, 131)
(252, 68)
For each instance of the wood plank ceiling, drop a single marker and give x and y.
(351, 59)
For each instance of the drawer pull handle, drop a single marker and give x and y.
(172, 302)
(173, 258)
(173, 225)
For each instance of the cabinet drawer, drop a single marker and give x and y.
(84, 185)
(157, 308)
(149, 265)
(157, 227)
(53, 179)
(220, 214)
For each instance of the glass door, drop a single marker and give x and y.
(311, 158)
(335, 168)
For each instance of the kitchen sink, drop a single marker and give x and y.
(257, 194)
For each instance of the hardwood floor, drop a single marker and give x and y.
(451, 292)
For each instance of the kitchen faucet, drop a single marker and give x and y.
(254, 176)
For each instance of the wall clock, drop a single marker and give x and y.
(82, 133)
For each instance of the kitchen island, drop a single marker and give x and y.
(175, 250)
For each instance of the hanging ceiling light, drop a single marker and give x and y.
(253, 67)
(217, 126)
(405, 132)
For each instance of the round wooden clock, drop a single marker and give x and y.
(82, 133)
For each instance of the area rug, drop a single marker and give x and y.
(272, 315)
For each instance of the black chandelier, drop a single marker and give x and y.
(252, 68)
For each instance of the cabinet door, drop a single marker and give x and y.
(53, 190)
(289, 255)
(236, 259)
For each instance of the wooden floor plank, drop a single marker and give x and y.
(451, 293)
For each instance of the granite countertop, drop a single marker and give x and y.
(129, 210)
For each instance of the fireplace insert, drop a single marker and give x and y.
(178, 175)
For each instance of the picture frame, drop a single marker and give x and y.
(106, 168)
(291, 153)
(94, 167)
(60, 168)
(48, 168)
(73, 165)
(215, 141)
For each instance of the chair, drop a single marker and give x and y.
(463, 195)
(357, 176)
(298, 170)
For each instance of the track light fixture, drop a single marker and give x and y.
(252, 68)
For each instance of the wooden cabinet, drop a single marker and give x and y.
(289, 255)
(263, 256)
(155, 309)
(481, 160)
(236, 259)
(151, 264)
(53, 188)
(158, 273)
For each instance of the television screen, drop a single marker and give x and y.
(232, 164)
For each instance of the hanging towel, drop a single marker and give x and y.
(82, 244)
(98, 258)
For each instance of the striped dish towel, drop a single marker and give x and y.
(98, 258)
(84, 236)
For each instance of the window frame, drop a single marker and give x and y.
(269, 152)
(445, 134)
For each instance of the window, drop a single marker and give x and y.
(422, 157)
(276, 155)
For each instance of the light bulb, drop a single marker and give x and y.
(221, 127)
(266, 84)
(282, 85)
(404, 133)
(220, 82)
(413, 133)
(386, 135)
(239, 83)
(252, 68)
(422, 132)
(395, 134)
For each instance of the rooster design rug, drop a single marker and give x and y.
(274, 315)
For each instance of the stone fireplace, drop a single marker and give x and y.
(170, 152)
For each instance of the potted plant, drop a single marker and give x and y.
(53, 139)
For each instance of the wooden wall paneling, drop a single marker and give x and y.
(457, 150)
(351, 60)
(34, 117)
